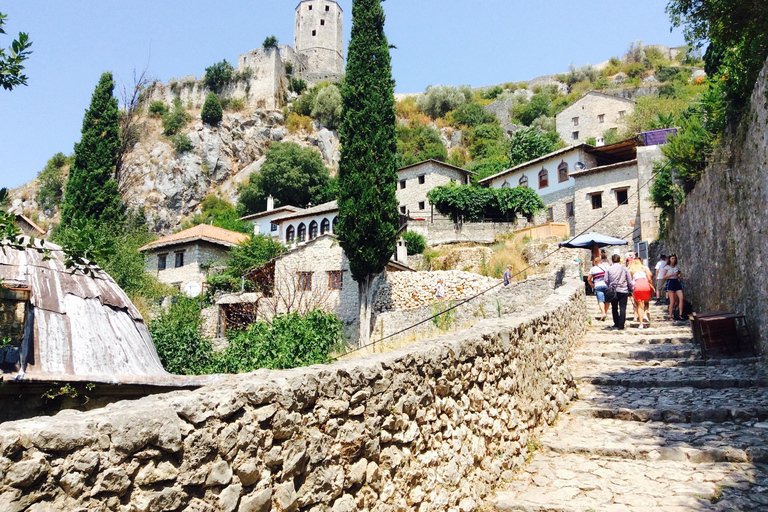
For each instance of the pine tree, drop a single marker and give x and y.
(368, 216)
(91, 192)
(211, 112)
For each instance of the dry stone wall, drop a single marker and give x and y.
(719, 233)
(405, 290)
(432, 427)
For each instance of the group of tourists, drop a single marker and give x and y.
(615, 282)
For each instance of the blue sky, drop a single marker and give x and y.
(479, 42)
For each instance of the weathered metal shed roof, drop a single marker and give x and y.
(80, 327)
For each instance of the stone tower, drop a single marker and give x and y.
(318, 38)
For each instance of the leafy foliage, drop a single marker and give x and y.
(220, 213)
(527, 113)
(297, 85)
(417, 142)
(51, 180)
(178, 338)
(296, 122)
(528, 144)
(91, 193)
(252, 253)
(415, 242)
(292, 174)
(11, 64)
(368, 216)
(218, 76)
(471, 203)
(327, 107)
(470, 114)
(269, 42)
(290, 341)
(441, 99)
(157, 109)
(211, 113)
(176, 119)
(181, 143)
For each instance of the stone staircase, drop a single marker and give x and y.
(656, 428)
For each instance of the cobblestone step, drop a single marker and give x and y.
(695, 443)
(673, 405)
(596, 338)
(555, 482)
(611, 373)
(632, 351)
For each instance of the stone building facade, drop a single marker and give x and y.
(307, 224)
(318, 37)
(178, 259)
(414, 181)
(591, 116)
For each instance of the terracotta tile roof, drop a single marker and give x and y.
(204, 232)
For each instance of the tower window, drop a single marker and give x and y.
(327, 8)
(322, 22)
(314, 32)
(310, 8)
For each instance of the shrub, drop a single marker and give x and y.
(528, 144)
(492, 93)
(51, 180)
(487, 141)
(211, 112)
(181, 143)
(269, 42)
(252, 253)
(290, 341)
(418, 143)
(441, 99)
(470, 203)
(297, 85)
(220, 213)
(415, 242)
(585, 73)
(157, 109)
(527, 113)
(327, 107)
(295, 122)
(218, 76)
(470, 114)
(176, 119)
(232, 104)
(289, 68)
(179, 340)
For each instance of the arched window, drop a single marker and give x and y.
(313, 230)
(523, 181)
(543, 178)
(302, 232)
(506, 184)
(290, 234)
(335, 222)
(562, 172)
(325, 226)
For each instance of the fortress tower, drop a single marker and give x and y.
(319, 38)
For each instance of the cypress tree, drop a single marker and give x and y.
(91, 192)
(211, 112)
(368, 216)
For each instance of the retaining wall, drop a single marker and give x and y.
(431, 427)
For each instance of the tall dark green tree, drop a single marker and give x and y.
(91, 193)
(368, 217)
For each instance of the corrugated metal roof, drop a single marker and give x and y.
(204, 232)
(82, 327)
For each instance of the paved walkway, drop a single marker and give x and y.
(655, 428)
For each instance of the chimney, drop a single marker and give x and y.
(270, 203)
(401, 254)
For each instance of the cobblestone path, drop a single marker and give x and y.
(655, 428)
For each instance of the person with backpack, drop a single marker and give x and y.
(596, 280)
(619, 289)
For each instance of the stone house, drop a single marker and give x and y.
(591, 116)
(414, 181)
(307, 224)
(178, 259)
(551, 177)
(311, 275)
(263, 221)
(590, 182)
(28, 227)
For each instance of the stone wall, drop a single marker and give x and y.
(405, 290)
(195, 254)
(432, 427)
(719, 234)
(444, 231)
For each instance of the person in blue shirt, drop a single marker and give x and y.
(508, 275)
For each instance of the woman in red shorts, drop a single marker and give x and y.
(641, 277)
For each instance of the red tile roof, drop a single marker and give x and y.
(203, 232)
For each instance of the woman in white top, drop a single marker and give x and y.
(596, 280)
(674, 287)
